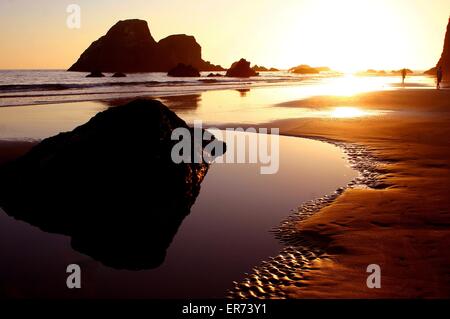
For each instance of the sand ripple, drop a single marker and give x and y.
(303, 251)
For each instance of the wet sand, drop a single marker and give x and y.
(401, 222)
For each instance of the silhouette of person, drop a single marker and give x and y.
(439, 77)
(403, 75)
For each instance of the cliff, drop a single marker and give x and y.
(444, 61)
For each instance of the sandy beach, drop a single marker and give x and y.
(403, 225)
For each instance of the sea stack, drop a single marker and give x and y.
(129, 47)
(183, 70)
(444, 62)
(241, 69)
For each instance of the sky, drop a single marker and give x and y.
(346, 35)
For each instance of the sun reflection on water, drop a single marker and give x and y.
(349, 84)
(343, 112)
(346, 112)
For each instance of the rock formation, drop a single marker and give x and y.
(95, 74)
(260, 68)
(444, 61)
(129, 47)
(241, 69)
(110, 184)
(183, 70)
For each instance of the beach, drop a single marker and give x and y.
(403, 224)
(398, 218)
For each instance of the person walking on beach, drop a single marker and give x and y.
(403, 76)
(439, 77)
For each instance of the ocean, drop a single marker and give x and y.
(35, 104)
(31, 87)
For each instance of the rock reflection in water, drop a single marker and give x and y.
(110, 184)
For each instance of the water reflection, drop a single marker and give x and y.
(351, 112)
(243, 92)
(182, 102)
(226, 233)
(110, 184)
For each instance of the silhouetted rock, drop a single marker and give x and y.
(181, 48)
(183, 70)
(241, 69)
(95, 74)
(129, 47)
(110, 184)
(304, 69)
(444, 61)
(431, 71)
(119, 75)
(212, 75)
(258, 68)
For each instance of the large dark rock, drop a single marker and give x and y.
(444, 61)
(180, 48)
(183, 70)
(241, 69)
(110, 184)
(129, 47)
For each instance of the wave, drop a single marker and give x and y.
(16, 88)
(70, 86)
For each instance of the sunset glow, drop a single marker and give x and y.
(346, 35)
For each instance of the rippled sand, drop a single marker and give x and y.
(400, 221)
